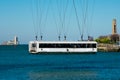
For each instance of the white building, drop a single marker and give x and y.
(11, 42)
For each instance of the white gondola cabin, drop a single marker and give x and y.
(62, 46)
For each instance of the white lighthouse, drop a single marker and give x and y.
(15, 40)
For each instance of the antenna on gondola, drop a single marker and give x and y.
(82, 37)
(41, 37)
(65, 38)
(36, 37)
(59, 38)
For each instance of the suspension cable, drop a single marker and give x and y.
(77, 18)
(40, 18)
(46, 15)
(92, 14)
(85, 16)
(64, 18)
(34, 19)
(84, 7)
(60, 20)
(55, 21)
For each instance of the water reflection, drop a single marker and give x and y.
(63, 75)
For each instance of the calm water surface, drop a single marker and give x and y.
(16, 63)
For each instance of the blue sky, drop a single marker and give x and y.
(16, 19)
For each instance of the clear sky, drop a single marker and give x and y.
(26, 18)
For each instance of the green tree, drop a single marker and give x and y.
(103, 40)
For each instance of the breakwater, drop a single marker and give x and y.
(108, 47)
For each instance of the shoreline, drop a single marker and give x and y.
(108, 48)
(101, 47)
